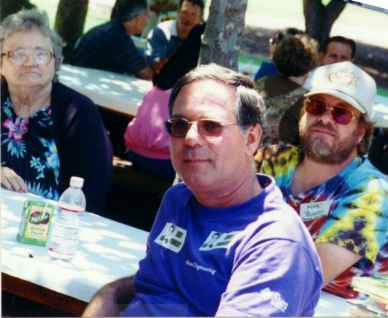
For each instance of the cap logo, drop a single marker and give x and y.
(343, 78)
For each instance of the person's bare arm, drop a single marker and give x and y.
(111, 299)
(335, 260)
(11, 180)
(146, 73)
(158, 65)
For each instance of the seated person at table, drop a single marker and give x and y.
(294, 56)
(268, 68)
(337, 49)
(146, 139)
(49, 132)
(339, 194)
(167, 36)
(109, 46)
(224, 242)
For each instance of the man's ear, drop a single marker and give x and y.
(253, 138)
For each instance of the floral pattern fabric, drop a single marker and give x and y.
(357, 216)
(28, 147)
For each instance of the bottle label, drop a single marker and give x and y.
(70, 207)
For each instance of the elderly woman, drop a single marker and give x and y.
(48, 131)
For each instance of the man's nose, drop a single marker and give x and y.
(326, 117)
(193, 136)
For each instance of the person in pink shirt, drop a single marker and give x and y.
(146, 139)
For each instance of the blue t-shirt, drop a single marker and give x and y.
(266, 69)
(255, 258)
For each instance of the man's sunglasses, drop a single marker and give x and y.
(341, 115)
(178, 127)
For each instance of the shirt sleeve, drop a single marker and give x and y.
(86, 150)
(277, 277)
(156, 45)
(359, 220)
(130, 58)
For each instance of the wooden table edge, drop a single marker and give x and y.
(42, 295)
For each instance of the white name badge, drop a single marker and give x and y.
(314, 210)
(172, 237)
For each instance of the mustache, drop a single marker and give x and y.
(192, 154)
(321, 125)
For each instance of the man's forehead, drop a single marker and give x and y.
(332, 99)
(206, 93)
(190, 5)
(337, 45)
(207, 88)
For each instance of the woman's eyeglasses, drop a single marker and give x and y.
(20, 56)
(340, 115)
(178, 127)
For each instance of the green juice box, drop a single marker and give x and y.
(35, 222)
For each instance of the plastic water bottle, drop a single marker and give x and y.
(64, 237)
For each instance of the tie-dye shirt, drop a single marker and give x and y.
(28, 147)
(349, 210)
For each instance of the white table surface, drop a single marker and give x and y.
(117, 92)
(108, 250)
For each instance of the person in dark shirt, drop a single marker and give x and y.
(49, 132)
(109, 46)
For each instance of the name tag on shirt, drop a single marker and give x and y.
(217, 240)
(172, 237)
(314, 210)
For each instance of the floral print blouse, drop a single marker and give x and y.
(28, 147)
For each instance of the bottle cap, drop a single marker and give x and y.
(77, 182)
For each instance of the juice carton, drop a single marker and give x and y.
(35, 222)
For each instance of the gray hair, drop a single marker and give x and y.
(249, 104)
(26, 20)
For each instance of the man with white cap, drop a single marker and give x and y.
(341, 197)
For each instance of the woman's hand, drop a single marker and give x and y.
(11, 181)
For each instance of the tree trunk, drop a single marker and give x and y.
(70, 21)
(224, 30)
(8, 7)
(319, 18)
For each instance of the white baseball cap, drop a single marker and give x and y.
(346, 81)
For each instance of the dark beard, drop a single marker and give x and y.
(318, 150)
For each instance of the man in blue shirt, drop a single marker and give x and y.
(167, 36)
(224, 242)
(109, 46)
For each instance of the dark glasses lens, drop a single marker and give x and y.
(210, 127)
(340, 115)
(178, 127)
